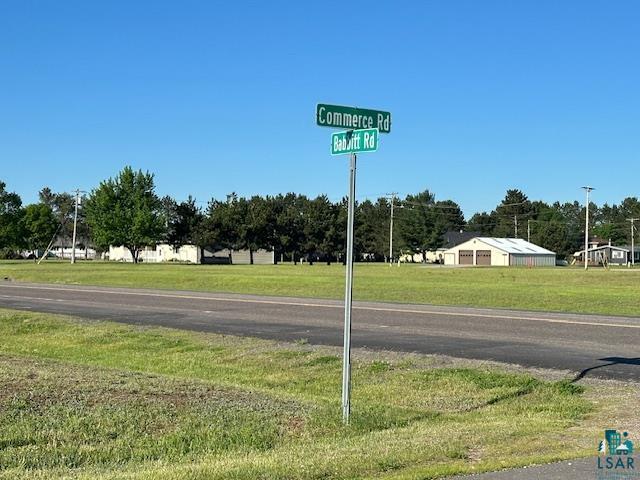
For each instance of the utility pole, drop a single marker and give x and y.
(393, 196)
(586, 229)
(515, 223)
(633, 253)
(529, 230)
(75, 226)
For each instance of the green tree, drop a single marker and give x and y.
(126, 211)
(11, 234)
(288, 211)
(448, 216)
(39, 225)
(515, 207)
(237, 224)
(168, 209)
(558, 227)
(372, 233)
(422, 222)
(630, 208)
(208, 233)
(63, 206)
(317, 229)
(337, 235)
(257, 222)
(417, 223)
(482, 222)
(185, 222)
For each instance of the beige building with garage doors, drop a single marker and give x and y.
(499, 252)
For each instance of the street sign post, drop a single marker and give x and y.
(362, 136)
(346, 352)
(337, 116)
(354, 141)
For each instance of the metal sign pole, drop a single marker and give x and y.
(363, 126)
(346, 358)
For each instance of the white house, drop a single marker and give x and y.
(191, 254)
(499, 252)
(161, 253)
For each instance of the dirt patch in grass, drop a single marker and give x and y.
(59, 382)
(56, 414)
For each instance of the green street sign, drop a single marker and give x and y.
(354, 141)
(353, 118)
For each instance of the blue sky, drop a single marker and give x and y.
(215, 97)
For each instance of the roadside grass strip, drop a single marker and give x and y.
(88, 399)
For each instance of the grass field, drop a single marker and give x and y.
(83, 399)
(609, 292)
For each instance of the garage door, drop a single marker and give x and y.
(465, 257)
(483, 257)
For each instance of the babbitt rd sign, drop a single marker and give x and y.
(354, 141)
(338, 116)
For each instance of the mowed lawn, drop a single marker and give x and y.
(98, 400)
(609, 292)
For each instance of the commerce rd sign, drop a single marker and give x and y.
(354, 141)
(352, 118)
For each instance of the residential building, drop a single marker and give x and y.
(190, 254)
(603, 255)
(490, 251)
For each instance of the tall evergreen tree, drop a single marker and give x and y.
(258, 230)
(289, 224)
(512, 213)
(318, 219)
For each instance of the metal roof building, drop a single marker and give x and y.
(491, 251)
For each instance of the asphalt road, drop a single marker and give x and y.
(585, 468)
(594, 345)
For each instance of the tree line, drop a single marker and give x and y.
(125, 210)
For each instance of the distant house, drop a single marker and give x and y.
(603, 255)
(66, 252)
(159, 253)
(490, 251)
(61, 248)
(451, 239)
